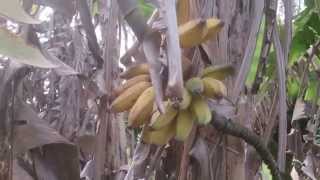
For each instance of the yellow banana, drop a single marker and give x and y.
(159, 137)
(190, 33)
(142, 109)
(144, 77)
(218, 72)
(201, 110)
(159, 120)
(186, 99)
(135, 71)
(195, 85)
(127, 99)
(212, 28)
(184, 125)
(214, 88)
(197, 31)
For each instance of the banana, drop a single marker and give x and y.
(144, 77)
(159, 120)
(197, 31)
(186, 99)
(212, 28)
(190, 33)
(195, 85)
(159, 137)
(142, 109)
(184, 125)
(127, 99)
(201, 110)
(214, 88)
(218, 72)
(135, 71)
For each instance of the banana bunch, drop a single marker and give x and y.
(137, 96)
(197, 31)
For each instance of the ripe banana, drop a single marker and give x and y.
(144, 77)
(186, 99)
(142, 109)
(195, 85)
(135, 70)
(190, 33)
(159, 120)
(214, 88)
(212, 28)
(218, 72)
(184, 125)
(127, 99)
(201, 110)
(198, 31)
(159, 137)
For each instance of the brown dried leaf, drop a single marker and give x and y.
(301, 112)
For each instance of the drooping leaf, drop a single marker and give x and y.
(17, 49)
(35, 133)
(13, 10)
(301, 112)
(57, 159)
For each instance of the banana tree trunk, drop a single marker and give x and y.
(110, 152)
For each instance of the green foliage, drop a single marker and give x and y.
(95, 7)
(256, 56)
(292, 88)
(146, 8)
(311, 92)
(265, 172)
(307, 31)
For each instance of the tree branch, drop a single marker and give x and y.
(232, 128)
